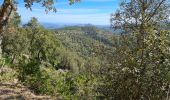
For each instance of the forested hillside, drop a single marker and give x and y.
(90, 63)
(85, 40)
(66, 57)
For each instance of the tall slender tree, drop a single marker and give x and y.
(141, 61)
(140, 17)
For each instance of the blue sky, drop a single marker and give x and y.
(95, 12)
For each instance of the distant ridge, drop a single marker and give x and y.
(57, 26)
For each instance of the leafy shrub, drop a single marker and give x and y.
(7, 73)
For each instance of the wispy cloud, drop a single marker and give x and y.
(78, 10)
(93, 18)
(99, 19)
(83, 13)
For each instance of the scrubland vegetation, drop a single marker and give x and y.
(88, 63)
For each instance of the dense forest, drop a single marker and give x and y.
(89, 63)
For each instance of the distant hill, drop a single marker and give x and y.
(57, 26)
(52, 26)
(85, 40)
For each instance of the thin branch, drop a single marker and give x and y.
(154, 12)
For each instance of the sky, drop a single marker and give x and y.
(96, 12)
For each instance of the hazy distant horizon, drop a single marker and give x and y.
(66, 24)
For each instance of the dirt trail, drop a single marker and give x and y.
(11, 91)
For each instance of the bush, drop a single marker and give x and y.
(7, 73)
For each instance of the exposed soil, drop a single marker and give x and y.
(11, 91)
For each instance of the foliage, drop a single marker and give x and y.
(7, 73)
(85, 62)
(141, 61)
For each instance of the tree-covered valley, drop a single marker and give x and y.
(85, 62)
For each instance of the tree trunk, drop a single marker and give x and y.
(1, 38)
(5, 11)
